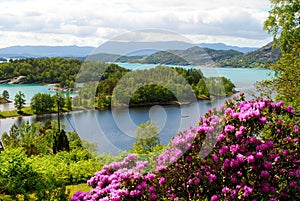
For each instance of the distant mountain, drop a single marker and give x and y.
(222, 46)
(165, 52)
(259, 58)
(191, 56)
(2, 59)
(265, 54)
(110, 47)
(133, 48)
(45, 51)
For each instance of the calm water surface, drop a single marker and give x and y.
(114, 130)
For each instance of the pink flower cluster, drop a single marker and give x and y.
(252, 153)
(116, 180)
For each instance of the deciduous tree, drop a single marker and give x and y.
(147, 138)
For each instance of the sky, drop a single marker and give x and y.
(93, 22)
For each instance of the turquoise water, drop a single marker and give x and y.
(28, 89)
(241, 77)
(110, 130)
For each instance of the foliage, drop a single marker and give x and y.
(61, 142)
(164, 57)
(164, 84)
(72, 167)
(155, 85)
(28, 166)
(287, 80)
(59, 99)
(283, 23)
(36, 138)
(246, 150)
(147, 138)
(5, 94)
(32, 137)
(42, 70)
(16, 175)
(19, 177)
(19, 101)
(41, 103)
(68, 102)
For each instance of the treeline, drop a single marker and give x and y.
(42, 70)
(104, 82)
(42, 102)
(156, 85)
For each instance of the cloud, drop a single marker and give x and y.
(102, 20)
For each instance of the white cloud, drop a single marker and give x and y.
(77, 22)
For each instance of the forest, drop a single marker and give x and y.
(161, 84)
(42, 70)
(246, 150)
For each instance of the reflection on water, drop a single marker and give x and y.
(112, 132)
(101, 127)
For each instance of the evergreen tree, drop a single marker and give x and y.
(68, 102)
(19, 101)
(61, 142)
(5, 94)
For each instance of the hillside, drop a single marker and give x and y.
(191, 56)
(222, 46)
(263, 56)
(171, 52)
(210, 57)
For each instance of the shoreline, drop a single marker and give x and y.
(172, 103)
(55, 87)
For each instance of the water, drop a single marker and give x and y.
(108, 132)
(243, 78)
(28, 89)
(114, 130)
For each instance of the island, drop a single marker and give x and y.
(106, 84)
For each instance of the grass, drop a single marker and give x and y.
(26, 111)
(71, 189)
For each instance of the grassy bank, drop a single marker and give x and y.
(26, 111)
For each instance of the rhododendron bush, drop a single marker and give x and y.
(247, 150)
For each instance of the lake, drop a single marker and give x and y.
(113, 130)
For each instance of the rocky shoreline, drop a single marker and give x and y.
(55, 87)
(15, 80)
(4, 101)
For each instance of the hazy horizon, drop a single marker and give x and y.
(91, 22)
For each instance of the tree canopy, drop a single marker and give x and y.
(147, 138)
(19, 100)
(284, 23)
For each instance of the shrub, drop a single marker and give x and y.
(247, 150)
(19, 179)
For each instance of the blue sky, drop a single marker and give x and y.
(92, 22)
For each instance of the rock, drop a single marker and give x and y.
(17, 80)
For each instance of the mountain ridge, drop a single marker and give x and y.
(187, 54)
(110, 47)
